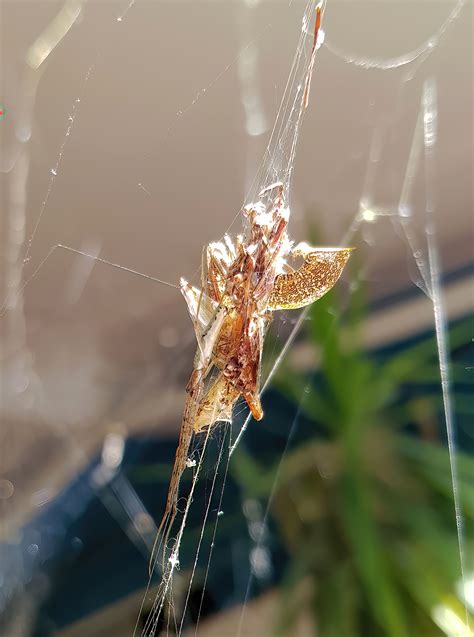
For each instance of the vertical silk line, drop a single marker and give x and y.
(429, 106)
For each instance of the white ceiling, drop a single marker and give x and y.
(156, 164)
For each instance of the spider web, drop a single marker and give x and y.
(280, 156)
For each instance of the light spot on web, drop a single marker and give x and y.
(369, 215)
(404, 210)
(174, 561)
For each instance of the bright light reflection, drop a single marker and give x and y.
(260, 562)
(369, 215)
(53, 34)
(255, 121)
(449, 622)
(466, 590)
(112, 451)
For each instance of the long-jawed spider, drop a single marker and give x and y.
(244, 282)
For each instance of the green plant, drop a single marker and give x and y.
(365, 507)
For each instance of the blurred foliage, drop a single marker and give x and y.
(365, 506)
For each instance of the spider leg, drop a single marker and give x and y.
(317, 26)
(201, 307)
(195, 390)
(203, 363)
(255, 406)
(216, 275)
(10, 299)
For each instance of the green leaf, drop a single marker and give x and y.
(369, 557)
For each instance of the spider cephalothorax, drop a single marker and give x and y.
(243, 271)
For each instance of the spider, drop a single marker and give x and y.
(243, 283)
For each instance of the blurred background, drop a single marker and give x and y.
(132, 131)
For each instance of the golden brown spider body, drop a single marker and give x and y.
(244, 282)
(240, 278)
